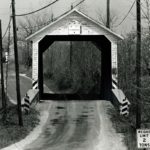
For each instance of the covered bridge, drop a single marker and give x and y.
(76, 26)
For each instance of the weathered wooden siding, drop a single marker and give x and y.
(35, 61)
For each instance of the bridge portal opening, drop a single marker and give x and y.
(75, 67)
(72, 67)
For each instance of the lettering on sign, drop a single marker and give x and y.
(143, 138)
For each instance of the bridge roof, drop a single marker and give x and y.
(74, 15)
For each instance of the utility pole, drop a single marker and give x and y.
(108, 14)
(138, 65)
(2, 75)
(16, 66)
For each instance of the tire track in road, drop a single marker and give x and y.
(63, 128)
(57, 130)
(85, 134)
(79, 125)
(69, 126)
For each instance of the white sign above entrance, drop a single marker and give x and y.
(74, 27)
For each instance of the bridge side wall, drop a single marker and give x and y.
(114, 56)
(35, 65)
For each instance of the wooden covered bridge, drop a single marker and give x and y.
(76, 26)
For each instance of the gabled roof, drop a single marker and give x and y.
(34, 35)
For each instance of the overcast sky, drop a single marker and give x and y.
(120, 7)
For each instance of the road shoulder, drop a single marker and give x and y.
(109, 138)
(44, 108)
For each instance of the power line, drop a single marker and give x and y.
(78, 3)
(146, 16)
(69, 10)
(46, 23)
(37, 9)
(126, 15)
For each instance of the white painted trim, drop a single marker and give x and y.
(31, 37)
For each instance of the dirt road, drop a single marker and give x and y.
(78, 125)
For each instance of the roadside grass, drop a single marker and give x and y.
(124, 126)
(11, 132)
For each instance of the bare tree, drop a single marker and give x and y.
(146, 35)
(27, 26)
(102, 19)
(30, 24)
(146, 13)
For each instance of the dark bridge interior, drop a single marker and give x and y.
(103, 44)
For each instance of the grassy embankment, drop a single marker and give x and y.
(10, 131)
(123, 126)
(127, 125)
